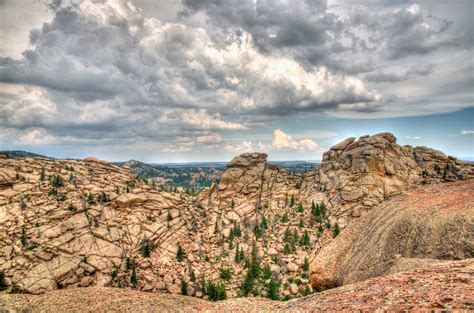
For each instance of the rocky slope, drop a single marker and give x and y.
(444, 286)
(424, 224)
(76, 223)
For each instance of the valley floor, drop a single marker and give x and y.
(447, 285)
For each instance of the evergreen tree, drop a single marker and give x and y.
(322, 208)
(301, 224)
(287, 234)
(306, 265)
(257, 231)
(23, 237)
(264, 223)
(320, 230)
(237, 230)
(3, 283)
(42, 175)
(180, 254)
(273, 290)
(266, 272)
(242, 254)
(133, 276)
(305, 240)
(237, 253)
(285, 218)
(169, 218)
(287, 248)
(184, 286)
(336, 231)
(300, 208)
(292, 201)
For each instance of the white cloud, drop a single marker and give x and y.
(245, 146)
(36, 137)
(209, 138)
(467, 132)
(413, 137)
(282, 140)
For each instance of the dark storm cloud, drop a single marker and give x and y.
(300, 27)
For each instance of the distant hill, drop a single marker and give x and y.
(22, 154)
(142, 169)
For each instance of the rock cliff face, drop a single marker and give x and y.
(357, 175)
(77, 223)
(444, 286)
(424, 225)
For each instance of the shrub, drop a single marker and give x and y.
(226, 273)
(215, 292)
(71, 207)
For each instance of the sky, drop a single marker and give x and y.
(205, 80)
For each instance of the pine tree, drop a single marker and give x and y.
(133, 276)
(292, 201)
(285, 218)
(180, 254)
(42, 175)
(242, 254)
(306, 265)
(237, 255)
(264, 223)
(184, 287)
(23, 237)
(322, 208)
(237, 230)
(305, 239)
(300, 208)
(301, 224)
(273, 290)
(287, 234)
(336, 231)
(3, 283)
(320, 230)
(169, 218)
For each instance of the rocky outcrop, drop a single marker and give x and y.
(425, 225)
(357, 175)
(447, 286)
(78, 223)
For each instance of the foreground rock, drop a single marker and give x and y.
(426, 223)
(446, 286)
